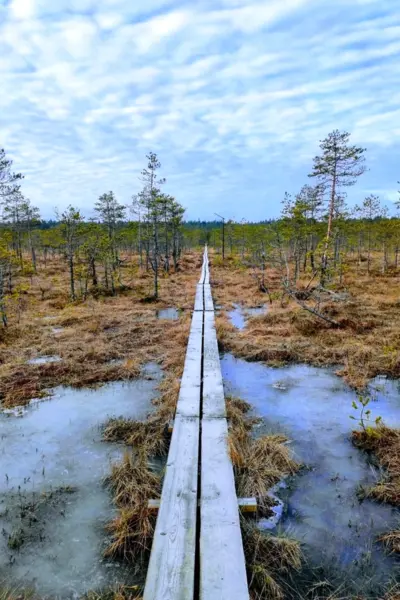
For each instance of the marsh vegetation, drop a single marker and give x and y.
(93, 311)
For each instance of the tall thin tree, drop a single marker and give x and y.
(338, 166)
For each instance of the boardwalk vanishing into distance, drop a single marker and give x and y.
(197, 550)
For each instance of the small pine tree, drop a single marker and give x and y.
(338, 166)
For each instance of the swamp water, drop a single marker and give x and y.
(170, 314)
(44, 360)
(53, 504)
(320, 505)
(239, 314)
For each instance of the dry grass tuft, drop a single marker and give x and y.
(120, 592)
(392, 541)
(132, 534)
(270, 560)
(384, 442)
(149, 438)
(133, 484)
(259, 463)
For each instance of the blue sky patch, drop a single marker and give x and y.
(233, 95)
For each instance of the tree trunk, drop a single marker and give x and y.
(324, 265)
(369, 251)
(312, 259)
(71, 275)
(93, 272)
(384, 258)
(2, 303)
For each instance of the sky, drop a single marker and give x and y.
(233, 95)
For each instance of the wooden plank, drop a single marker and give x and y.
(199, 300)
(203, 269)
(213, 388)
(188, 401)
(208, 301)
(188, 404)
(222, 563)
(170, 575)
(245, 505)
(206, 267)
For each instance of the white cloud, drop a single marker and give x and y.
(23, 9)
(234, 95)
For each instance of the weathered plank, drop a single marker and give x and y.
(208, 301)
(188, 404)
(171, 571)
(213, 389)
(199, 300)
(222, 563)
(206, 266)
(245, 505)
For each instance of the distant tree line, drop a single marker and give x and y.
(149, 228)
(316, 234)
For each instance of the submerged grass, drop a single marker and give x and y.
(133, 484)
(270, 561)
(384, 443)
(119, 592)
(106, 339)
(258, 464)
(277, 568)
(366, 344)
(149, 438)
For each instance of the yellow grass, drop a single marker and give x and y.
(367, 342)
(95, 333)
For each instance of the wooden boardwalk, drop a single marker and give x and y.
(197, 550)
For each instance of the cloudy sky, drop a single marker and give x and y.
(233, 95)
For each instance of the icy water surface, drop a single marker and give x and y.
(171, 314)
(43, 360)
(312, 406)
(239, 314)
(53, 504)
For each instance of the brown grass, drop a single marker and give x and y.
(384, 442)
(366, 344)
(392, 541)
(120, 592)
(149, 438)
(269, 559)
(95, 333)
(133, 484)
(258, 463)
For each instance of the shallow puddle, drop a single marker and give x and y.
(57, 330)
(53, 504)
(239, 314)
(313, 407)
(171, 314)
(43, 360)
